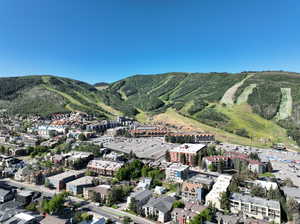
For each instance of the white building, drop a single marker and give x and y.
(177, 172)
(221, 185)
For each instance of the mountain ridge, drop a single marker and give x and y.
(196, 96)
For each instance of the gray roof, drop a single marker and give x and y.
(292, 192)
(255, 200)
(3, 192)
(163, 204)
(140, 195)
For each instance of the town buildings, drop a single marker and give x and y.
(59, 181)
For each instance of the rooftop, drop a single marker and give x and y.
(178, 166)
(188, 148)
(103, 164)
(66, 174)
(82, 181)
(255, 200)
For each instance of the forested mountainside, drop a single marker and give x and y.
(259, 108)
(45, 95)
(254, 105)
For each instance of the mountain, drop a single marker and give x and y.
(44, 95)
(256, 108)
(253, 108)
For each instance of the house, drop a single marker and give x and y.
(159, 190)
(159, 208)
(102, 192)
(268, 185)
(50, 219)
(177, 172)
(221, 185)
(184, 215)
(76, 186)
(186, 151)
(228, 219)
(140, 198)
(6, 195)
(103, 167)
(196, 187)
(59, 181)
(144, 184)
(255, 207)
(24, 197)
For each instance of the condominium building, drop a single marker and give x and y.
(177, 172)
(186, 150)
(196, 187)
(255, 207)
(103, 167)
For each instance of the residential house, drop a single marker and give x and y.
(144, 184)
(186, 214)
(159, 208)
(140, 198)
(159, 190)
(255, 207)
(102, 192)
(6, 195)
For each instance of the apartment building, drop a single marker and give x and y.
(177, 172)
(221, 185)
(186, 150)
(103, 167)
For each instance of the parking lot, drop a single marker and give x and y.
(285, 164)
(152, 148)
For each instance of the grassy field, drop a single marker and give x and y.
(243, 98)
(260, 139)
(286, 105)
(228, 97)
(261, 130)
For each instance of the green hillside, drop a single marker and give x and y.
(260, 108)
(45, 95)
(248, 104)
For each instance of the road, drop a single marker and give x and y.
(107, 212)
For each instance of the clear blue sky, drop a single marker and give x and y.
(98, 40)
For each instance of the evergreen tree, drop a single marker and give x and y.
(183, 158)
(167, 156)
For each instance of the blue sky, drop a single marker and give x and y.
(97, 40)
